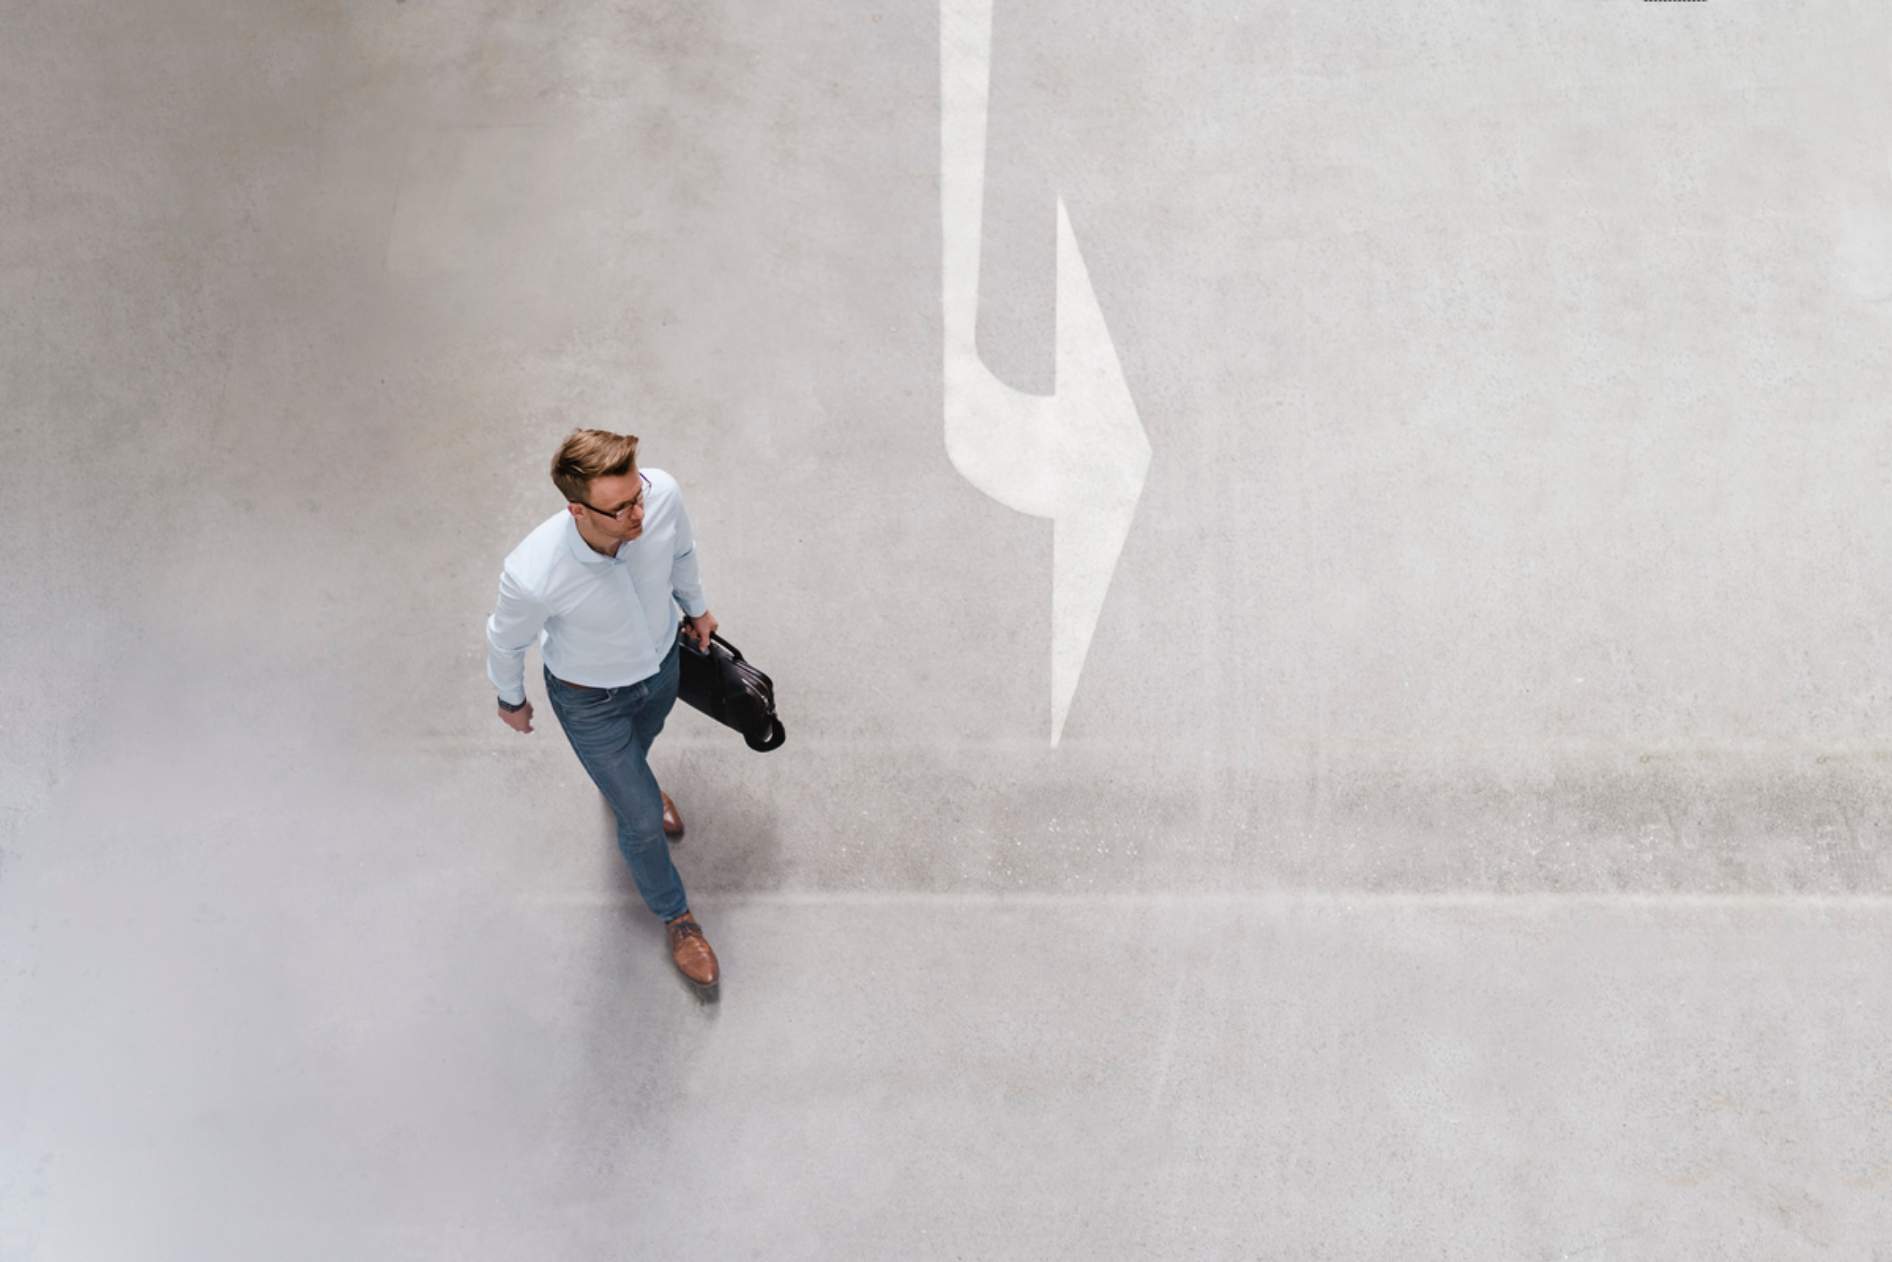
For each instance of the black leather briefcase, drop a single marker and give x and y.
(728, 689)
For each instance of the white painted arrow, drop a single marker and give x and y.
(1078, 455)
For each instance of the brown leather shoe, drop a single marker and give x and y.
(691, 950)
(673, 822)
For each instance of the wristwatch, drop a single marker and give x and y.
(509, 708)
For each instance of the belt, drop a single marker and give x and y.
(591, 688)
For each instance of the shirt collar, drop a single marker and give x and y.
(581, 550)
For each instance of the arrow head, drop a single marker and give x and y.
(1104, 458)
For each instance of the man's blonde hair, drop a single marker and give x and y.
(588, 454)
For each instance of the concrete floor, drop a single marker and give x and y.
(1468, 838)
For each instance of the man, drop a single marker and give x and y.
(593, 586)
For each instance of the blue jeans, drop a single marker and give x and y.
(611, 730)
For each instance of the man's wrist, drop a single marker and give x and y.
(509, 707)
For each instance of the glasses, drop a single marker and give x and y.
(619, 514)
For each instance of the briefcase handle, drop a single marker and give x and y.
(716, 637)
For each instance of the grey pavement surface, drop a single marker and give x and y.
(1001, 1077)
(1469, 834)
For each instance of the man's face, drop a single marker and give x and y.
(617, 493)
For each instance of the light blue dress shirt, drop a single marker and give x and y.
(601, 620)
